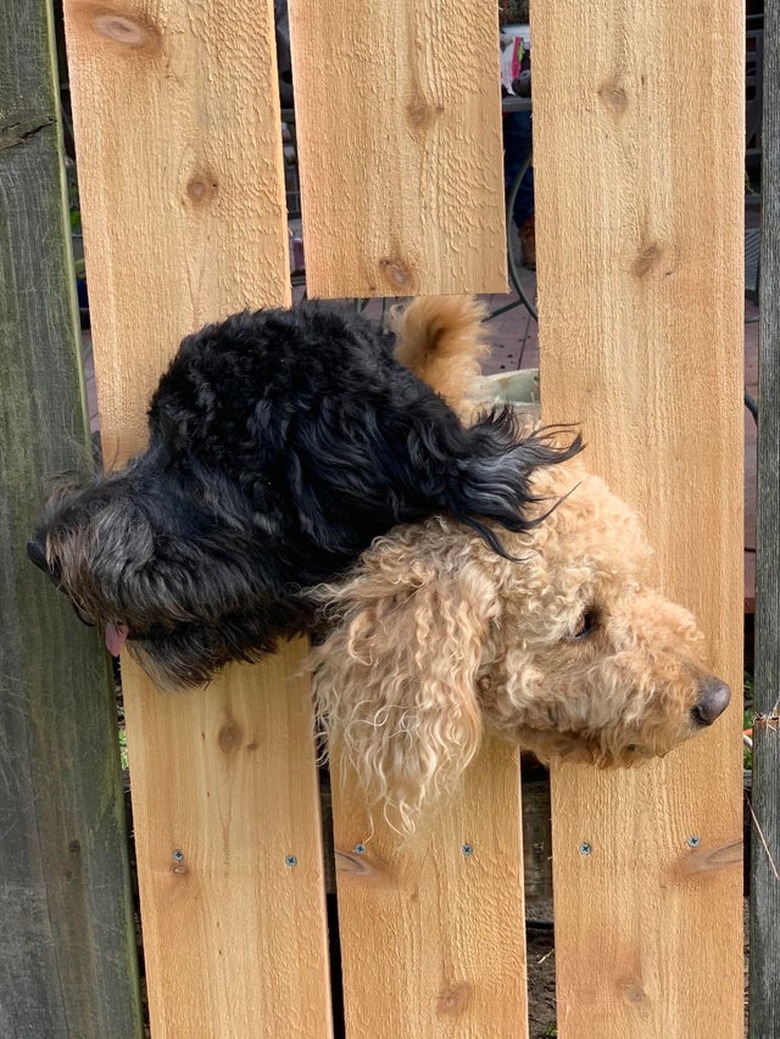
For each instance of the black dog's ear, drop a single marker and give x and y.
(395, 682)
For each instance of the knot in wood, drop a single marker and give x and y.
(454, 999)
(633, 992)
(229, 737)
(396, 273)
(353, 863)
(614, 97)
(121, 29)
(648, 257)
(421, 114)
(202, 188)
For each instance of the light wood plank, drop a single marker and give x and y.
(638, 151)
(180, 164)
(68, 964)
(226, 807)
(399, 135)
(432, 930)
(182, 187)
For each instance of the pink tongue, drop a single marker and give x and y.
(116, 636)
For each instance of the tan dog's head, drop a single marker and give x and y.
(567, 651)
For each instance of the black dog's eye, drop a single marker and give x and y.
(587, 624)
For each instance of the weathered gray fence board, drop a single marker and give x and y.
(765, 852)
(67, 955)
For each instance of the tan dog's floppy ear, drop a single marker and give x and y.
(395, 683)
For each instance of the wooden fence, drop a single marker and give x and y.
(765, 857)
(67, 942)
(639, 158)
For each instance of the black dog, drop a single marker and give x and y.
(281, 443)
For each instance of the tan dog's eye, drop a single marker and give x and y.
(587, 624)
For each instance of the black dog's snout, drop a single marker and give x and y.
(36, 550)
(713, 701)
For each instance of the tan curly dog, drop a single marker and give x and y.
(565, 649)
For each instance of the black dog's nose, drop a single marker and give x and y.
(36, 550)
(713, 701)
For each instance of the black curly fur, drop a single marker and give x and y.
(281, 443)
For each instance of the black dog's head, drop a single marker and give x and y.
(184, 584)
(281, 444)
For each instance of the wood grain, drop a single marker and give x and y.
(181, 176)
(399, 136)
(765, 852)
(68, 963)
(179, 145)
(432, 931)
(638, 151)
(226, 811)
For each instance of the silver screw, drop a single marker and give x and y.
(468, 850)
(585, 848)
(290, 860)
(178, 856)
(694, 842)
(359, 849)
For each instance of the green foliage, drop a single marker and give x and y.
(747, 719)
(513, 12)
(123, 747)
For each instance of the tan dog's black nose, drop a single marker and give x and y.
(714, 699)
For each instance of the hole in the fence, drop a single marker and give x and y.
(331, 896)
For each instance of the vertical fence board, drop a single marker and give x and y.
(638, 111)
(178, 127)
(225, 791)
(765, 852)
(399, 137)
(432, 931)
(67, 954)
